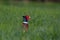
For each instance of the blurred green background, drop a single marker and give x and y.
(43, 25)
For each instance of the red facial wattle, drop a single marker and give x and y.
(27, 17)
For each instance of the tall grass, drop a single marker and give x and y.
(43, 25)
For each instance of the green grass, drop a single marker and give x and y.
(43, 25)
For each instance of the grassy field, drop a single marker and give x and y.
(43, 25)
